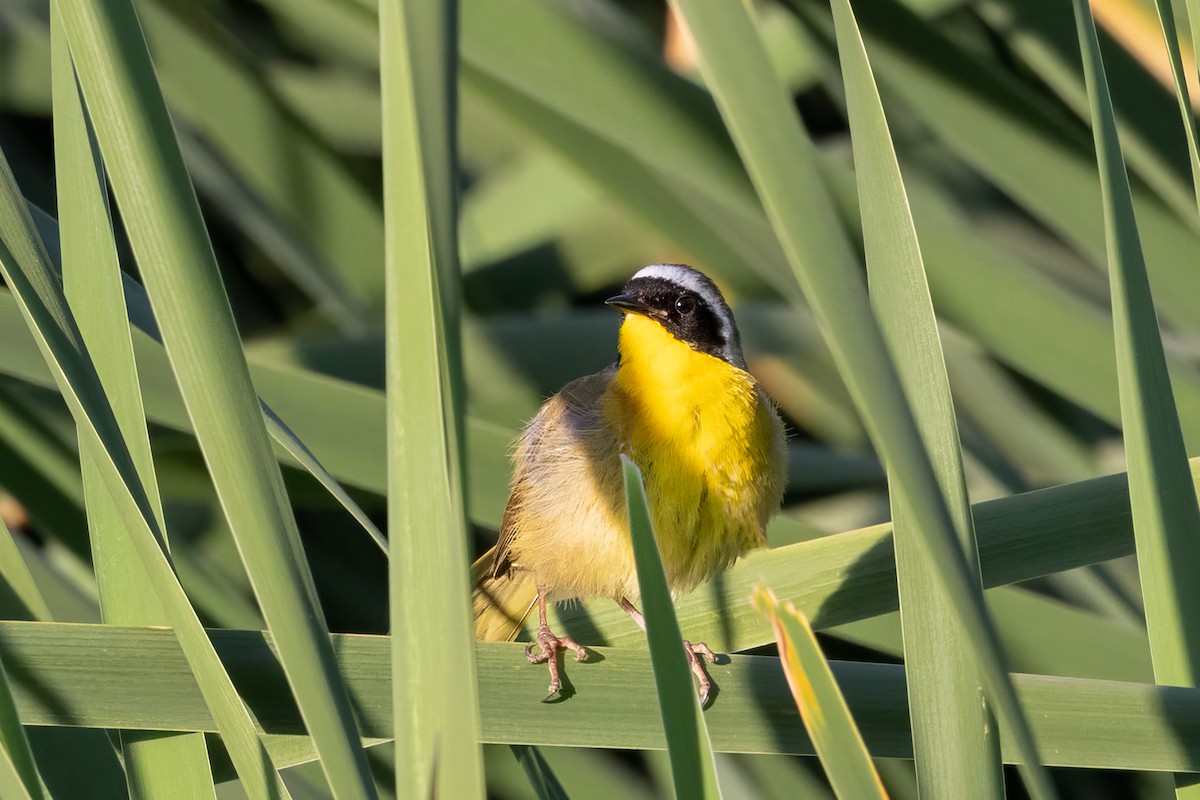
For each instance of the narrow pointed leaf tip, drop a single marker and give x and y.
(826, 716)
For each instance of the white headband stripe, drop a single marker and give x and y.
(682, 276)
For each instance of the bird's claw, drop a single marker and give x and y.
(696, 655)
(550, 645)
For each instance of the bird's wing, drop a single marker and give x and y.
(573, 411)
(500, 560)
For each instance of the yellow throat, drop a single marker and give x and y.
(704, 440)
(675, 395)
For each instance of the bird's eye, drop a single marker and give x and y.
(685, 304)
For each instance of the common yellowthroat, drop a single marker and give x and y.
(680, 402)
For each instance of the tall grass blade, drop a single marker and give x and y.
(45, 473)
(651, 139)
(299, 451)
(675, 212)
(1166, 20)
(955, 740)
(1043, 37)
(692, 768)
(94, 765)
(354, 449)
(141, 316)
(91, 751)
(542, 780)
(1166, 517)
(178, 266)
(15, 574)
(156, 766)
(262, 224)
(1193, 14)
(219, 90)
(779, 157)
(834, 735)
(25, 268)
(1016, 139)
(646, 104)
(14, 746)
(12, 783)
(434, 689)
(137, 678)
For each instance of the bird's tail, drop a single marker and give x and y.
(500, 605)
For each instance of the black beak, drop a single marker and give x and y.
(628, 303)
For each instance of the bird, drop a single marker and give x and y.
(681, 403)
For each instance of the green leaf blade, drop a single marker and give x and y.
(542, 779)
(25, 267)
(1014, 138)
(1166, 516)
(155, 765)
(779, 158)
(1163, 498)
(1081, 722)
(955, 740)
(14, 745)
(826, 717)
(178, 266)
(15, 574)
(429, 599)
(1166, 20)
(692, 766)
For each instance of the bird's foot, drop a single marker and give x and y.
(696, 655)
(550, 645)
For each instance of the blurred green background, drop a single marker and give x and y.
(589, 148)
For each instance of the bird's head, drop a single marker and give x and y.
(688, 305)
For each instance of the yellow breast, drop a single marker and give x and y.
(708, 442)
